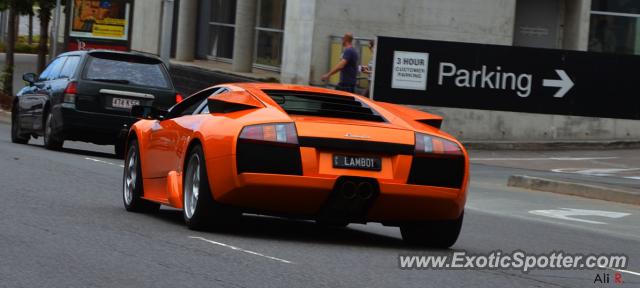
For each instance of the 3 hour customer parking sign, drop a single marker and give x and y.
(410, 70)
(505, 78)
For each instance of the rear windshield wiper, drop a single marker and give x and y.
(119, 81)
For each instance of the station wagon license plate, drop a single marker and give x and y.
(357, 162)
(124, 103)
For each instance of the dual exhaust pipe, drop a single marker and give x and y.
(350, 190)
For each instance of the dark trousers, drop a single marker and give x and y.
(351, 88)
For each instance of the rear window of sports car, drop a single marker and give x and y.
(134, 70)
(324, 105)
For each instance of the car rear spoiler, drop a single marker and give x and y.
(407, 113)
(232, 101)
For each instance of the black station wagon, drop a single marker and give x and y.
(87, 96)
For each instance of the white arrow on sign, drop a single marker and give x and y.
(565, 83)
(567, 213)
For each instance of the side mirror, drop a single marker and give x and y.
(148, 112)
(29, 77)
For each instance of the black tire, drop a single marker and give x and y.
(52, 140)
(205, 213)
(118, 149)
(434, 234)
(132, 189)
(16, 135)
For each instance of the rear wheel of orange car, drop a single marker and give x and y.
(201, 211)
(197, 200)
(132, 190)
(435, 234)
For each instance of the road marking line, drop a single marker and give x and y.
(241, 250)
(595, 171)
(621, 270)
(103, 162)
(544, 159)
(568, 213)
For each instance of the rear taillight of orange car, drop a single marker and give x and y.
(179, 98)
(427, 144)
(437, 162)
(284, 133)
(269, 148)
(69, 94)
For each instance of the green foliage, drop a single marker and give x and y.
(6, 80)
(26, 48)
(24, 7)
(5, 97)
(25, 38)
(22, 46)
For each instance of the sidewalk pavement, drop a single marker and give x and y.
(552, 145)
(611, 175)
(5, 117)
(599, 190)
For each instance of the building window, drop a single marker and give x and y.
(222, 23)
(615, 26)
(269, 33)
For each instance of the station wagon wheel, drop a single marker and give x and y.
(132, 189)
(118, 149)
(16, 136)
(52, 140)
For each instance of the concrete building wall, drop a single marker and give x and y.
(482, 125)
(576, 30)
(476, 21)
(298, 41)
(145, 35)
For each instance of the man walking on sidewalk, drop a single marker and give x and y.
(348, 66)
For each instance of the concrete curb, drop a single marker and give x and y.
(574, 189)
(553, 145)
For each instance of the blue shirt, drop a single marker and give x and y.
(349, 74)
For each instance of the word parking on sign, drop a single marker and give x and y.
(484, 78)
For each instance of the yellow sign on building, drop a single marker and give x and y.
(102, 30)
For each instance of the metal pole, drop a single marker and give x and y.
(54, 31)
(167, 28)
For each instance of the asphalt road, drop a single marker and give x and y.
(62, 224)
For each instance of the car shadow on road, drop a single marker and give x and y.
(283, 229)
(89, 153)
(80, 152)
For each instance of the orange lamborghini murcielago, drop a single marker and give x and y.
(297, 151)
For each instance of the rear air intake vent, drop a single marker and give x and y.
(324, 105)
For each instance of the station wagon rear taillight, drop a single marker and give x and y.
(179, 98)
(70, 92)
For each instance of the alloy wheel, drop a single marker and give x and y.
(192, 186)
